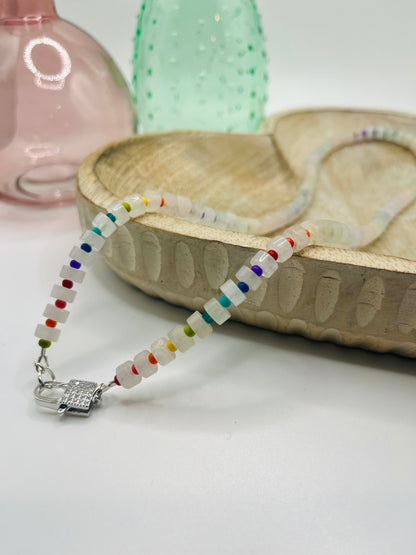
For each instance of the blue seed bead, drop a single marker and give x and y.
(75, 264)
(86, 247)
(111, 216)
(96, 230)
(207, 318)
(224, 301)
(243, 287)
(257, 270)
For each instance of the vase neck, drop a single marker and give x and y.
(26, 11)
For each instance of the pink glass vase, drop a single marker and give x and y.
(61, 97)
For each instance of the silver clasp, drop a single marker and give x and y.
(76, 397)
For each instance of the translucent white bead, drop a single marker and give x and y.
(184, 207)
(282, 246)
(179, 338)
(266, 262)
(196, 213)
(104, 224)
(154, 200)
(63, 293)
(93, 239)
(209, 217)
(248, 276)
(120, 213)
(67, 272)
(44, 332)
(161, 352)
(125, 375)
(81, 256)
(230, 290)
(170, 204)
(198, 324)
(137, 205)
(58, 314)
(217, 312)
(143, 365)
(299, 236)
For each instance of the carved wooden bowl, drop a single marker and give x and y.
(359, 298)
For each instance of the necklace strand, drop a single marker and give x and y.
(233, 292)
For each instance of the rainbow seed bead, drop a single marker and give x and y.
(224, 301)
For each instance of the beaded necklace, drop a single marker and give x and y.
(78, 397)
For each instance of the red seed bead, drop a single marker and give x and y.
(291, 241)
(67, 283)
(273, 254)
(133, 369)
(116, 380)
(308, 233)
(152, 359)
(50, 323)
(162, 202)
(60, 304)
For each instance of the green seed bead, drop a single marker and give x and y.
(44, 343)
(126, 206)
(188, 331)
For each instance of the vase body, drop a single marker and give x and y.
(61, 97)
(199, 65)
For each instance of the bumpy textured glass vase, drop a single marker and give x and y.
(61, 97)
(199, 65)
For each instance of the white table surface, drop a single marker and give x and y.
(253, 443)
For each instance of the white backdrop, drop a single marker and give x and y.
(254, 443)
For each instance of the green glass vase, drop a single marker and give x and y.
(199, 65)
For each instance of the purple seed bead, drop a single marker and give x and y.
(257, 270)
(203, 215)
(75, 264)
(364, 133)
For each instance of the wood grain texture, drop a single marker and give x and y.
(357, 298)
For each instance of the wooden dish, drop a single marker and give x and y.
(358, 298)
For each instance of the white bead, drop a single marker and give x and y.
(230, 290)
(137, 205)
(209, 217)
(266, 262)
(179, 338)
(299, 236)
(170, 204)
(121, 215)
(93, 239)
(125, 375)
(154, 200)
(67, 272)
(58, 314)
(248, 276)
(184, 207)
(282, 246)
(44, 332)
(104, 224)
(217, 312)
(143, 365)
(196, 213)
(63, 293)
(81, 256)
(198, 324)
(161, 352)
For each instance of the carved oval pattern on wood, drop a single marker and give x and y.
(152, 254)
(216, 264)
(406, 317)
(370, 300)
(123, 249)
(327, 294)
(290, 285)
(185, 267)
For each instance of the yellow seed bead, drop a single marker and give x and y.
(145, 201)
(171, 346)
